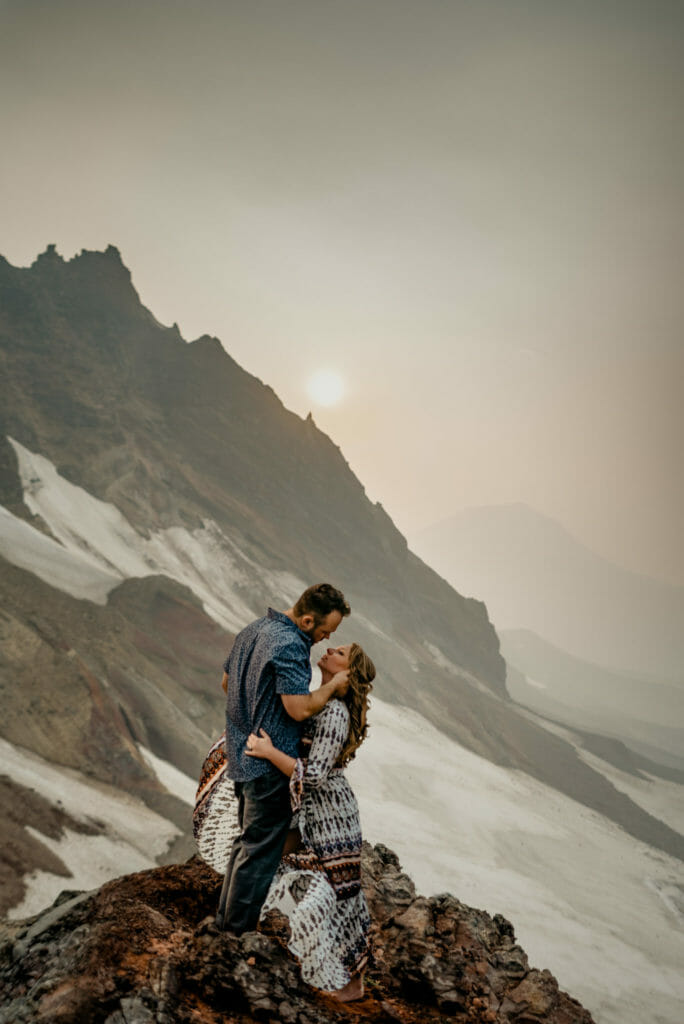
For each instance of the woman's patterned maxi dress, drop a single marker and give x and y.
(319, 888)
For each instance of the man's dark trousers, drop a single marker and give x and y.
(264, 816)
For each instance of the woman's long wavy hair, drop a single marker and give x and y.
(361, 676)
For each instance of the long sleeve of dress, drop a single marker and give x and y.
(330, 736)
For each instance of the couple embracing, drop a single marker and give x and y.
(297, 845)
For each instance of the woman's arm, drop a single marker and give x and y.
(262, 747)
(330, 736)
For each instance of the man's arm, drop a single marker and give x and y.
(301, 706)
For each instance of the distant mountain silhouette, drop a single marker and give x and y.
(534, 575)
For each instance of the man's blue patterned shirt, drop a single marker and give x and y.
(269, 657)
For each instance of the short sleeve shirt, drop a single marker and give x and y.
(270, 657)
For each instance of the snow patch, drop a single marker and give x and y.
(69, 571)
(173, 780)
(92, 861)
(96, 548)
(664, 800)
(134, 835)
(99, 548)
(455, 670)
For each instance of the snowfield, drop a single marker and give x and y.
(173, 780)
(604, 912)
(28, 548)
(95, 548)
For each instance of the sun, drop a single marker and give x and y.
(326, 387)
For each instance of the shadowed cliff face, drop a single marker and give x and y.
(144, 949)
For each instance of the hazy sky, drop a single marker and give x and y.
(470, 210)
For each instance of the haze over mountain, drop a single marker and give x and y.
(471, 211)
(155, 497)
(534, 575)
(645, 713)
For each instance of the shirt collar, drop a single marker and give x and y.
(273, 614)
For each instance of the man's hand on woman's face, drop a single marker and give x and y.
(341, 682)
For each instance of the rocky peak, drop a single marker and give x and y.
(48, 258)
(91, 284)
(110, 256)
(144, 950)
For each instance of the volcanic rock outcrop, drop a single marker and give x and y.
(143, 949)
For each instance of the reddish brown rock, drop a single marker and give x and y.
(144, 950)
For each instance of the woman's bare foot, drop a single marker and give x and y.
(351, 991)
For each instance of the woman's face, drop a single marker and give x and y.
(335, 659)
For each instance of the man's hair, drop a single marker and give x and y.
(319, 600)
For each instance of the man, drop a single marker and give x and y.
(266, 678)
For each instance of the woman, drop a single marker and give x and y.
(329, 922)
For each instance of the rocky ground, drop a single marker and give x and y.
(143, 949)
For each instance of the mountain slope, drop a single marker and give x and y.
(172, 434)
(182, 493)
